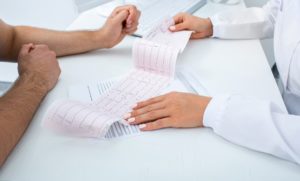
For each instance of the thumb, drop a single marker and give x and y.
(26, 48)
(199, 35)
(178, 27)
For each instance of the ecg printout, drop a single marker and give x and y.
(93, 91)
(155, 61)
(163, 35)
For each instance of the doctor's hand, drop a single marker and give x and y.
(202, 28)
(176, 110)
(123, 21)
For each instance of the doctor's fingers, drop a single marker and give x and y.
(158, 124)
(149, 116)
(150, 101)
(146, 109)
(181, 22)
(180, 27)
(179, 18)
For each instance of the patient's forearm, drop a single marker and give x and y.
(62, 42)
(17, 107)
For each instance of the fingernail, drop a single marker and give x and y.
(126, 116)
(172, 28)
(134, 106)
(131, 120)
(141, 126)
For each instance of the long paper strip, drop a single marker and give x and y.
(155, 61)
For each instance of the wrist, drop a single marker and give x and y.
(102, 39)
(33, 82)
(202, 105)
(209, 27)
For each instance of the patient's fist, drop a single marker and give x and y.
(41, 63)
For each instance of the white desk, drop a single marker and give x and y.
(170, 154)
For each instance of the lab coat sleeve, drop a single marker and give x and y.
(247, 23)
(255, 124)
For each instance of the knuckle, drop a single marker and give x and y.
(172, 111)
(175, 94)
(138, 105)
(169, 109)
(171, 93)
(149, 115)
(152, 114)
(171, 96)
(151, 126)
(151, 100)
(159, 124)
(52, 53)
(148, 108)
(144, 103)
(168, 102)
(135, 113)
(22, 54)
(175, 121)
(139, 119)
(141, 104)
(44, 47)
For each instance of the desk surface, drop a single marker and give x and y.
(170, 154)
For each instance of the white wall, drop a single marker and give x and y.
(56, 14)
(87, 4)
(255, 2)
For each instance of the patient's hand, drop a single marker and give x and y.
(39, 63)
(177, 110)
(202, 28)
(123, 21)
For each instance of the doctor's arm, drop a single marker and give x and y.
(247, 23)
(123, 21)
(254, 124)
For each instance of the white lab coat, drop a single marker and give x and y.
(258, 124)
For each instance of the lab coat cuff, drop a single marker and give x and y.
(215, 110)
(216, 28)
